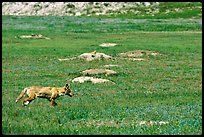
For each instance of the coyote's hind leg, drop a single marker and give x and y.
(27, 100)
(52, 102)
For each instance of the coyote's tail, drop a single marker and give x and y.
(22, 94)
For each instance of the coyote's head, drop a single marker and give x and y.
(68, 90)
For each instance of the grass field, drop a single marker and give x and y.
(160, 95)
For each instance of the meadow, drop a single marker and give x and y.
(159, 95)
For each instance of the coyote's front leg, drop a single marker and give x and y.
(52, 102)
(52, 99)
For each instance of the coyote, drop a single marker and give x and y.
(51, 93)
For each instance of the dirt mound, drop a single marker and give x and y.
(98, 71)
(90, 56)
(94, 56)
(91, 79)
(32, 36)
(107, 45)
(138, 53)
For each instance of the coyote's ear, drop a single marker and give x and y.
(67, 84)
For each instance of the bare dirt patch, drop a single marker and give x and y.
(32, 36)
(91, 79)
(108, 45)
(98, 71)
(138, 53)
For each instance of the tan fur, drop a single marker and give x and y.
(51, 93)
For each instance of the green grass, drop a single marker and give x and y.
(166, 88)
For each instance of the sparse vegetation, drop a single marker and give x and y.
(159, 95)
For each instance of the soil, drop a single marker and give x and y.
(90, 56)
(107, 45)
(98, 71)
(110, 65)
(138, 53)
(91, 79)
(32, 36)
(94, 56)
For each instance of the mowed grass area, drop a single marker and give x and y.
(165, 88)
